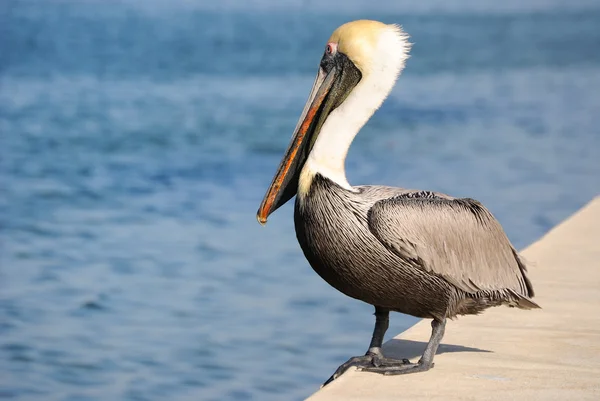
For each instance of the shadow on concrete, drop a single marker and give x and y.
(396, 348)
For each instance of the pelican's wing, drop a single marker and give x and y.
(457, 239)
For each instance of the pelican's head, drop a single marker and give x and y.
(359, 67)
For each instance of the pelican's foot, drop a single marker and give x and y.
(374, 359)
(398, 369)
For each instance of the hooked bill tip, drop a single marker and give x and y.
(262, 220)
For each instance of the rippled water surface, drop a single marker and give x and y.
(137, 140)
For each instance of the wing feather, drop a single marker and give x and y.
(457, 239)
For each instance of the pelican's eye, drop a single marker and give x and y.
(330, 48)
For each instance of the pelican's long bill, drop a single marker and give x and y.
(337, 76)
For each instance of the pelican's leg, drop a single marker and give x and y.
(374, 357)
(426, 361)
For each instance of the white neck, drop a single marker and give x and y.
(328, 154)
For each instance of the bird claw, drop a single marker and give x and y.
(383, 363)
(354, 361)
(398, 369)
(369, 363)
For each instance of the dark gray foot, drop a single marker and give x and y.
(426, 361)
(374, 359)
(398, 370)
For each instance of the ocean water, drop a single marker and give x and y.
(137, 140)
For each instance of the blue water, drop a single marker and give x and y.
(138, 138)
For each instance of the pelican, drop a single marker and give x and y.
(421, 253)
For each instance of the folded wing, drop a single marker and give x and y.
(457, 239)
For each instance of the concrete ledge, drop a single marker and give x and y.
(509, 354)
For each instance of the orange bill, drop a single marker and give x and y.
(284, 184)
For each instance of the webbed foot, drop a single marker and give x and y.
(373, 361)
(398, 369)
